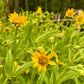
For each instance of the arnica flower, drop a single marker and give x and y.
(17, 19)
(80, 18)
(6, 29)
(48, 20)
(27, 71)
(39, 11)
(16, 65)
(41, 60)
(0, 23)
(70, 12)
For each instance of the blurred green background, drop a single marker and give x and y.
(56, 6)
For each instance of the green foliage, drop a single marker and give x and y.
(56, 6)
(2, 8)
(19, 43)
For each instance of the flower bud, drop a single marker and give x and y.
(51, 39)
(5, 43)
(79, 66)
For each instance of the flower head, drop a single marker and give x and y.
(39, 11)
(6, 43)
(6, 29)
(17, 19)
(0, 23)
(70, 13)
(41, 60)
(80, 18)
(27, 71)
(16, 65)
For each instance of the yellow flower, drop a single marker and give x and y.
(27, 71)
(0, 23)
(6, 29)
(70, 13)
(16, 65)
(80, 18)
(17, 19)
(61, 63)
(48, 20)
(39, 11)
(41, 60)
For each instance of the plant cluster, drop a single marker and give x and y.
(35, 50)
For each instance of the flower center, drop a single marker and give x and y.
(80, 19)
(18, 19)
(6, 30)
(70, 13)
(43, 60)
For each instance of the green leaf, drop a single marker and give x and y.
(40, 79)
(22, 80)
(42, 36)
(51, 78)
(23, 68)
(5, 81)
(56, 71)
(67, 76)
(76, 79)
(76, 55)
(9, 65)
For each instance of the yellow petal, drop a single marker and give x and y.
(72, 9)
(39, 68)
(36, 54)
(17, 66)
(44, 69)
(27, 71)
(51, 63)
(34, 59)
(57, 60)
(42, 52)
(52, 54)
(61, 63)
(35, 64)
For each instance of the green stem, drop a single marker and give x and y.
(67, 23)
(62, 73)
(14, 45)
(32, 79)
(15, 36)
(63, 20)
(71, 23)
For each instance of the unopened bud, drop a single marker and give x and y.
(51, 39)
(5, 43)
(79, 66)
